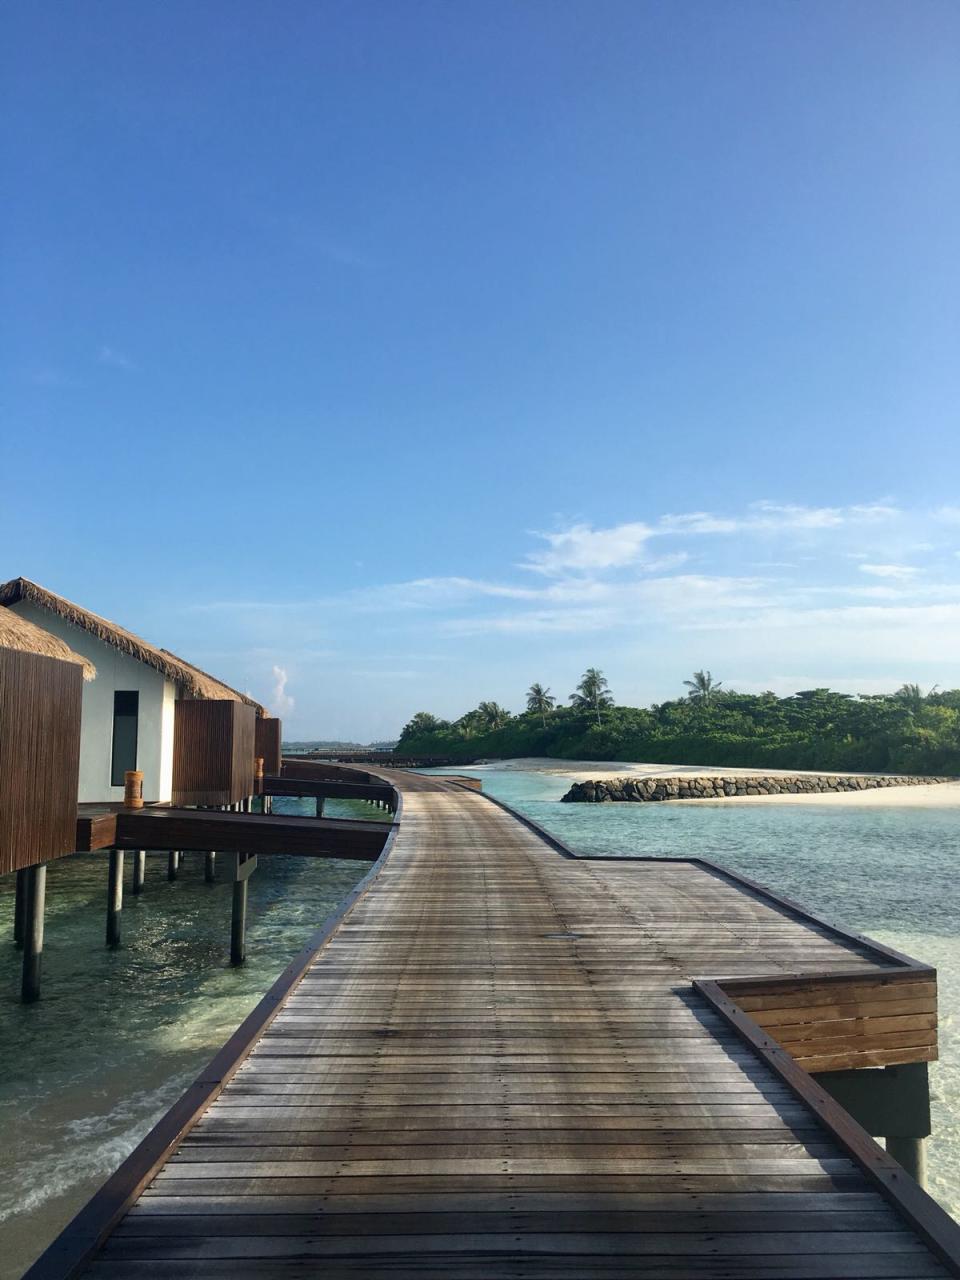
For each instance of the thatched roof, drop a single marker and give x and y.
(19, 633)
(192, 682)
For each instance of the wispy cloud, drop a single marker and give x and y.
(899, 572)
(113, 358)
(280, 701)
(582, 548)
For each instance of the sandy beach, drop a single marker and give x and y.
(940, 795)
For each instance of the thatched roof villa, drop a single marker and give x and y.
(136, 714)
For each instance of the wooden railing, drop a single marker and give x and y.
(847, 1021)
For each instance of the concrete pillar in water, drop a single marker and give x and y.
(911, 1153)
(319, 806)
(238, 923)
(173, 864)
(210, 867)
(243, 867)
(20, 909)
(892, 1103)
(114, 897)
(139, 870)
(35, 901)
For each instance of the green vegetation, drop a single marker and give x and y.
(904, 732)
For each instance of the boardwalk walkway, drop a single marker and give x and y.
(497, 1067)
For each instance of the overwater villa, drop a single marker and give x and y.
(147, 756)
(192, 736)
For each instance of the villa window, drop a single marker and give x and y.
(126, 713)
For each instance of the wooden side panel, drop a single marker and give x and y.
(40, 700)
(268, 744)
(857, 1022)
(205, 751)
(243, 764)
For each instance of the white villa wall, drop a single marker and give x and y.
(116, 670)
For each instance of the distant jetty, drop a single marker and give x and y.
(719, 787)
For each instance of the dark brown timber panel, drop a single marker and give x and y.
(498, 1066)
(213, 751)
(157, 827)
(327, 789)
(40, 700)
(269, 731)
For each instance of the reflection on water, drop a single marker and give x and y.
(893, 873)
(118, 1035)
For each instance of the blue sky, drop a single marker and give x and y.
(417, 351)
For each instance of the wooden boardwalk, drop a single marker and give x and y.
(498, 1066)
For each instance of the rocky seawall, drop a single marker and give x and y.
(640, 790)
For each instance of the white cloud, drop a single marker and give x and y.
(280, 701)
(581, 548)
(899, 572)
(772, 517)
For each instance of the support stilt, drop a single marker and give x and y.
(36, 893)
(20, 909)
(210, 867)
(173, 864)
(911, 1153)
(238, 923)
(139, 870)
(114, 897)
(319, 806)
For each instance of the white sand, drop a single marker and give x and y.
(939, 794)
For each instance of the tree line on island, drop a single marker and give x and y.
(904, 732)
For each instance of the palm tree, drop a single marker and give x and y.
(541, 701)
(593, 692)
(702, 687)
(911, 696)
(493, 715)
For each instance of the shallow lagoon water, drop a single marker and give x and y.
(119, 1035)
(887, 871)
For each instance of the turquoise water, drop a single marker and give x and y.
(893, 873)
(118, 1035)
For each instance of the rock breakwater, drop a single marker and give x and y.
(706, 787)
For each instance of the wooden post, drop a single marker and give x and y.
(210, 867)
(36, 893)
(20, 909)
(139, 870)
(173, 865)
(319, 806)
(114, 897)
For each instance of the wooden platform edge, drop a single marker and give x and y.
(789, 906)
(70, 1252)
(932, 1223)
